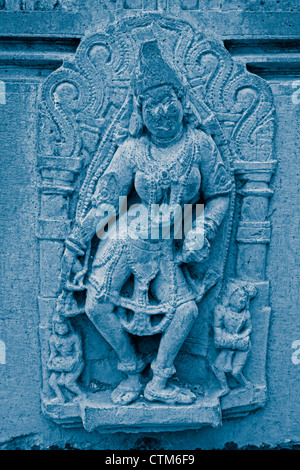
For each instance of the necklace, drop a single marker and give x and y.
(163, 143)
(166, 174)
(171, 169)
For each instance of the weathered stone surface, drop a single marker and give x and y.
(102, 414)
(39, 193)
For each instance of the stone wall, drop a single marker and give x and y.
(36, 36)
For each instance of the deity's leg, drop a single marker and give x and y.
(219, 368)
(109, 326)
(173, 338)
(107, 323)
(53, 382)
(239, 362)
(163, 367)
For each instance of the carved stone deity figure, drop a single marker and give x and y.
(166, 162)
(65, 361)
(232, 329)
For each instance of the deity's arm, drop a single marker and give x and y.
(223, 339)
(218, 325)
(215, 210)
(216, 183)
(114, 183)
(216, 186)
(53, 351)
(247, 328)
(77, 347)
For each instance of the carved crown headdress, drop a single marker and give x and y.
(154, 71)
(235, 285)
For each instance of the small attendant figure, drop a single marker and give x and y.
(232, 329)
(65, 360)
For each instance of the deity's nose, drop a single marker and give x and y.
(160, 110)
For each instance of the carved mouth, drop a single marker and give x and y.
(163, 128)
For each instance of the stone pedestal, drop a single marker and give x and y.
(97, 412)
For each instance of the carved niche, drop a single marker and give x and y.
(88, 108)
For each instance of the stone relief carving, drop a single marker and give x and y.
(232, 329)
(65, 361)
(154, 111)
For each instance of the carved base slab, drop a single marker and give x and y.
(67, 414)
(241, 401)
(97, 412)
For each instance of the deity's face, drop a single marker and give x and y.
(61, 329)
(162, 112)
(239, 299)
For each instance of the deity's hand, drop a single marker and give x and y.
(243, 344)
(62, 364)
(196, 247)
(69, 264)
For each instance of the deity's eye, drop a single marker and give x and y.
(151, 108)
(154, 108)
(170, 102)
(171, 107)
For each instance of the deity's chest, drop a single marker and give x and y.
(63, 345)
(171, 178)
(234, 321)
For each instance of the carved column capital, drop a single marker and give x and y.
(58, 174)
(260, 172)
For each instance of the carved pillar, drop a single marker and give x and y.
(253, 236)
(57, 176)
(254, 230)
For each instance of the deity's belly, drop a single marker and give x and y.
(234, 323)
(145, 222)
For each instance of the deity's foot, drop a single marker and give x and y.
(127, 391)
(170, 395)
(240, 378)
(224, 392)
(79, 398)
(58, 401)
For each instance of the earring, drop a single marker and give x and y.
(136, 121)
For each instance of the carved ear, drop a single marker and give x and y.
(136, 120)
(252, 291)
(191, 116)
